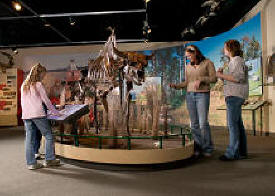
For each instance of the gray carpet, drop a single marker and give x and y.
(208, 176)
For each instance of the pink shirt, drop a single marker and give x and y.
(31, 102)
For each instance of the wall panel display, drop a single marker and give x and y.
(9, 97)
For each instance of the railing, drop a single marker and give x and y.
(160, 138)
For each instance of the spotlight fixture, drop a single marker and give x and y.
(72, 21)
(17, 6)
(47, 24)
(146, 28)
(14, 50)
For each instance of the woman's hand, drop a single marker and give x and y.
(173, 86)
(56, 113)
(197, 84)
(219, 74)
(220, 69)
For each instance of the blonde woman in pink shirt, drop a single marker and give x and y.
(33, 95)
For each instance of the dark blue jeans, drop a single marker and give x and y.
(43, 125)
(198, 108)
(37, 134)
(237, 137)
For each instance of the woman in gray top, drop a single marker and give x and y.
(235, 92)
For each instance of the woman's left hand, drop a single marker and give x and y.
(197, 84)
(219, 74)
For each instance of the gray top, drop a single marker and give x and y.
(239, 71)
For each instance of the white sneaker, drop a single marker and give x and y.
(35, 166)
(207, 154)
(157, 144)
(49, 163)
(197, 153)
(37, 156)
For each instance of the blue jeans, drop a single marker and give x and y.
(198, 108)
(31, 126)
(237, 136)
(38, 136)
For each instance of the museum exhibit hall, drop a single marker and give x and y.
(140, 97)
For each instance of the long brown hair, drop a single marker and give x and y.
(195, 50)
(234, 47)
(34, 76)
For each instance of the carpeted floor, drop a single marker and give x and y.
(208, 176)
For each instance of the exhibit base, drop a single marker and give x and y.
(124, 156)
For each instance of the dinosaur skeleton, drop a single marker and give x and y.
(114, 66)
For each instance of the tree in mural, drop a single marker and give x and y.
(168, 64)
(179, 96)
(154, 64)
(223, 59)
(163, 62)
(169, 68)
(173, 75)
(180, 54)
(151, 69)
(251, 48)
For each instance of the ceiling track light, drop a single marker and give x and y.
(146, 1)
(72, 21)
(47, 24)
(17, 6)
(146, 30)
(14, 50)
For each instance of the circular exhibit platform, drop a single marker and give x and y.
(130, 150)
(121, 156)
